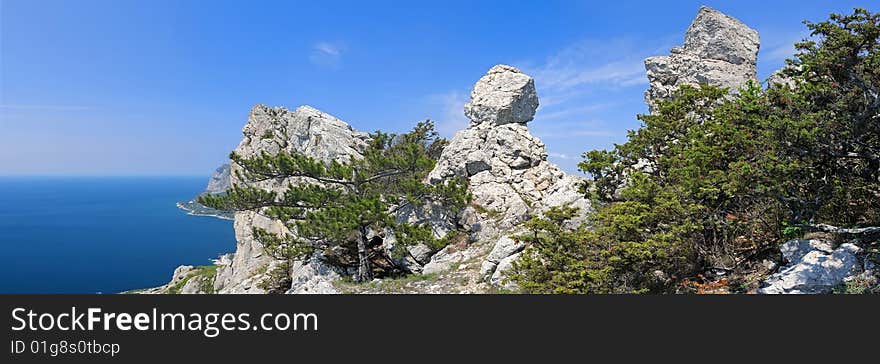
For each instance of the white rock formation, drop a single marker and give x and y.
(813, 266)
(305, 130)
(506, 246)
(499, 277)
(504, 95)
(784, 77)
(313, 277)
(509, 175)
(507, 166)
(718, 50)
(447, 257)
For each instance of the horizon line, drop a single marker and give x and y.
(50, 175)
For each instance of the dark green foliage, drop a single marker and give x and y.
(557, 260)
(688, 192)
(712, 182)
(278, 279)
(832, 119)
(338, 206)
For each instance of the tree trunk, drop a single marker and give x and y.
(365, 271)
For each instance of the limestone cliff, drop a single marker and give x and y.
(506, 166)
(718, 50)
(219, 182)
(305, 130)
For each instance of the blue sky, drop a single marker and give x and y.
(119, 87)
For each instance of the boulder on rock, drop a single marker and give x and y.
(509, 175)
(504, 95)
(506, 166)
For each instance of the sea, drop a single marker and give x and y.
(102, 234)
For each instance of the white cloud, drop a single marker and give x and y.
(562, 113)
(559, 156)
(328, 49)
(44, 107)
(573, 82)
(565, 76)
(590, 63)
(451, 112)
(778, 47)
(564, 129)
(326, 54)
(781, 52)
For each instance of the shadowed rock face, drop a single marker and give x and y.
(220, 180)
(718, 50)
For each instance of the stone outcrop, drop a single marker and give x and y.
(448, 257)
(305, 130)
(782, 77)
(509, 175)
(504, 95)
(718, 50)
(504, 248)
(313, 276)
(499, 277)
(220, 180)
(815, 266)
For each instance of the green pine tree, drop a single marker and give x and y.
(713, 183)
(342, 206)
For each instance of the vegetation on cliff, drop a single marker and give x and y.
(711, 183)
(345, 209)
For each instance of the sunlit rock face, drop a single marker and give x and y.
(718, 50)
(273, 130)
(509, 175)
